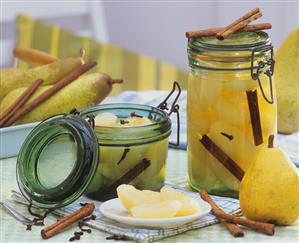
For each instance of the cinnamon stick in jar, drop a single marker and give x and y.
(60, 225)
(222, 157)
(255, 119)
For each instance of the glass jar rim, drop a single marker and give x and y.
(137, 135)
(240, 51)
(242, 41)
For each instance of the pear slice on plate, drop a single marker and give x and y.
(164, 209)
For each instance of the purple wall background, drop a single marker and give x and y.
(157, 28)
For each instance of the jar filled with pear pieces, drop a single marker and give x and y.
(133, 146)
(231, 108)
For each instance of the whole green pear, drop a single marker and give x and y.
(12, 78)
(286, 76)
(269, 190)
(88, 90)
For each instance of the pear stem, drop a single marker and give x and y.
(271, 141)
(116, 81)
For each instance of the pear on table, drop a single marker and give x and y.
(286, 78)
(12, 78)
(89, 89)
(269, 190)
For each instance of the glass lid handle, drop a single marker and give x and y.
(90, 120)
(74, 111)
(174, 108)
(264, 67)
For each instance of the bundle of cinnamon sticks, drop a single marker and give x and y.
(19, 109)
(242, 24)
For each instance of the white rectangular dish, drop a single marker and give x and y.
(12, 138)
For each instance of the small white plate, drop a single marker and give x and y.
(114, 209)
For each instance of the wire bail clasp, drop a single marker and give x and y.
(173, 109)
(90, 120)
(74, 111)
(265, 67)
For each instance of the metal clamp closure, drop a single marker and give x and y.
(90, 120)
(174, 108)
(264, 67)
(74, 111)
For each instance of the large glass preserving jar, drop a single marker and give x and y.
(69, 155)
(231, 108)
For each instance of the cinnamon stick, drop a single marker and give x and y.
(214, 31)
(239, 25)
(222, 157)
(242, 18)
(51, 91)
(255, 119)
(254, 27)
(60, 225)
(265, 228)
(233, 228)
(110, 191)
(13, 108)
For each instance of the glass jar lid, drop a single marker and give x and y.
(57, 161)
(241, 41)
(240, 51)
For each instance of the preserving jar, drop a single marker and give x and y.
(68, 155)
(231, 108)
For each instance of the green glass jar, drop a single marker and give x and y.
(65, 157)
(226, 76)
